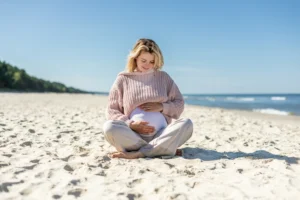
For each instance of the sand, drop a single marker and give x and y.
(52, 147)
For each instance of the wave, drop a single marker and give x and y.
(278, 98)
(240, 99)
(271, 111)
(210, 99)
(201, 98)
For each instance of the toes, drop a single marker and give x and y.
(117, 155)
(114, 154)
(127, 155)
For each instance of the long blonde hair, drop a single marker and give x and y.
(144, 45)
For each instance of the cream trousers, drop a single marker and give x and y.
(163, 143)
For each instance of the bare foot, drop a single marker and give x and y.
(127, 155)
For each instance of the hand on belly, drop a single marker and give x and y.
(152, 107)
(142, 127)
(154, 119)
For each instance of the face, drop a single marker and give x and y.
(145, 62)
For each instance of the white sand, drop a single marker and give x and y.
(52, 147)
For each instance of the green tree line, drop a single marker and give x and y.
(14, 79)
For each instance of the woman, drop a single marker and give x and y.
(142, 103)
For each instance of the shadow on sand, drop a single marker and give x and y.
(208, 155)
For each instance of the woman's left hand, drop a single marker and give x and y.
(152, 107)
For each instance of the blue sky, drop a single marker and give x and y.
(208, 46)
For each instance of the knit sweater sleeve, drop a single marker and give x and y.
(114, 110)
(175, 104)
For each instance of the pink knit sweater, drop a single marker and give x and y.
(132, 89)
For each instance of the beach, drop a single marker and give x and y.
(52, 147)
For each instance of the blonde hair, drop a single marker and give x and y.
(144, 45)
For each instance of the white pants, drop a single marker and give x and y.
(164, 142)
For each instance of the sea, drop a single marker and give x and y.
(278, 104)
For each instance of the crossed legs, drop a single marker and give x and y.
(131, 145)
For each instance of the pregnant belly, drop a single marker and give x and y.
(155, 119)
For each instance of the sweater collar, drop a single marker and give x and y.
(137, 73)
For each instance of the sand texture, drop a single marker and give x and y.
(52, 147)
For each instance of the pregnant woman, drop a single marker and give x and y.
(142, 103)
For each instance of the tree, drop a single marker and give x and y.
(14, 78)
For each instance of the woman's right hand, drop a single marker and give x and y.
(142, 127)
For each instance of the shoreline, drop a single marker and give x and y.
(244, 113)
(105, 94)
(294, 119)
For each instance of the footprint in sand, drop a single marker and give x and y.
(104, 162)
(223, 165)
(84, 154)
(74, 182)
(39, 175)
(56, 196)
(30, 167)
(24, 144)
(26, 192)
(76, 192)
(26, 168)
(67, 132)
(130, 196)
(50, 174)
(189, 172)
(133, 196)
(192, 185)
(19, 172)
(178, 196)
(214, 167)
(68, 168)
(134, 182)
(4, 186)
(66, 158)
(170, 165)
(101, 173)
(104, 166)
(76, 138)
(7, 155)
(4, 164)
(31, 131)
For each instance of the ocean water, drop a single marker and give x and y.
(280, 104)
